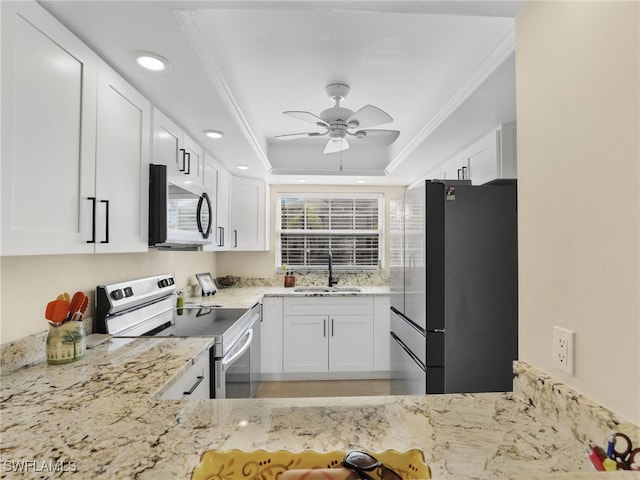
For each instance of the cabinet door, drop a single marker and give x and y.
(350, 343)
(194, 161)
(248, 214)
(483, 160)
(48, 93)
(271, 346)
(218, 181)
(122, 160)
(305, 343)
(167, 144)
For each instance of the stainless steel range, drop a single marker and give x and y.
(146, 307)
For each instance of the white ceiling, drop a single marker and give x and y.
(443, 70)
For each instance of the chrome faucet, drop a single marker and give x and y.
(332, 282)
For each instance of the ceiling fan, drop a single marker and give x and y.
(340, 123)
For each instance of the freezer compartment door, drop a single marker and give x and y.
(410, 334)
(407, 372)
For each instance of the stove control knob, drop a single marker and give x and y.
(128, 292)
(117, 294)
(170, 280)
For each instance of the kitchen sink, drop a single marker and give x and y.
(327, 289)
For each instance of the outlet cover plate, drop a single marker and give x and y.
(563, 349)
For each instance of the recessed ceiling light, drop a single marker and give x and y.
(213, 133)
(303, 180)
(242, 167)
(362, 181)
(153, 62)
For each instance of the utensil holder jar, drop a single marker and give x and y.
(289, 281)
(66, 343)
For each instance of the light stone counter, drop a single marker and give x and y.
(99, 417)
(245, 297)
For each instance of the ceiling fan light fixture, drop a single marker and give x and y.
(360, 134)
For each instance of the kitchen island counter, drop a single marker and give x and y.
(99, 416)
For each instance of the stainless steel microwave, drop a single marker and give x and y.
(180, 211)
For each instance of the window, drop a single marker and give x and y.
(309, 226)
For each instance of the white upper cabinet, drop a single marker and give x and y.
(493, 157)
(249, 214)
(75, 150)
(194, 160)
(48, 134)
(122, 165)
(167, 143)
(218, 180)
(175, 149)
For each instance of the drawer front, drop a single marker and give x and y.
(328, 305)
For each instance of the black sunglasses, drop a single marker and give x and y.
(362, 463)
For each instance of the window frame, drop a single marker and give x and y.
(379, 197)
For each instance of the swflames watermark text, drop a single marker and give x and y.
(39, 466)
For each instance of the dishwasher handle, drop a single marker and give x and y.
(247, 343)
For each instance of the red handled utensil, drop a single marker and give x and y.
(76, 302)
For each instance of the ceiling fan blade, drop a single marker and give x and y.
(307, 117)
(337, 145)
(381, 138)
(370, 116)
(296, 136)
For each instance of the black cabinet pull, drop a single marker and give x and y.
(235, 238)
(106, 221)
(188, 155)
(199, 379)
(332, 327)
(221, 239)
(464, 173)
(93, 220)
(324, 327)
(183, 160)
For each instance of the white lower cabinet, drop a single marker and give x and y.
(328, 334)
(193, 383)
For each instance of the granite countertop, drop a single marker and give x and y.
(99, 416)
(245, 297)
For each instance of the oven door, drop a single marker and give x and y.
(237, 374)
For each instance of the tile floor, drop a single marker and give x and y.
(323, 388)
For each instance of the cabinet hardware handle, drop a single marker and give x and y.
(235, 238)
(221, 239)
(199, 379)
(332, 327)
(188, 155)
(93, 220)
(183, 160)
(106, 221)
(464, 173)
(459, 170)
(324, 327)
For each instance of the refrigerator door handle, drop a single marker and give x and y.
(409, 322)
(409, 352)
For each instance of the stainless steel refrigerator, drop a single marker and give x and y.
(454, 273)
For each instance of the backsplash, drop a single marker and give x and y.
(30, 349)
(315, 278)
(568, 409)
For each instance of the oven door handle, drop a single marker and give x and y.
(228, 361)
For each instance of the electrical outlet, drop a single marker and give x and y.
(563, 343)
